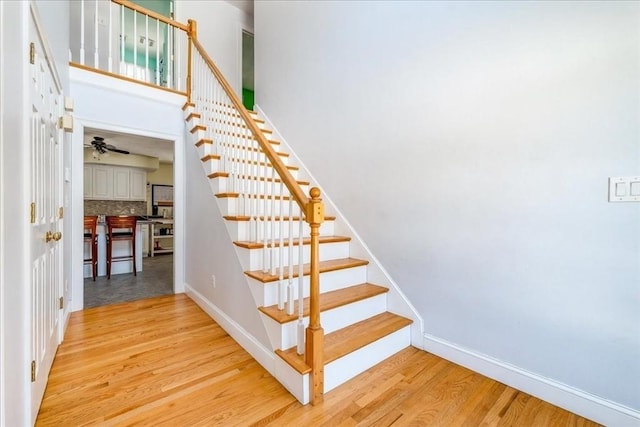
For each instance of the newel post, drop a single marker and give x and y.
(192, 33)
(314, 346)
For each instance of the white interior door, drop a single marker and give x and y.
(46, 225)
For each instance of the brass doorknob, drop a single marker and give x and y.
(50, 235)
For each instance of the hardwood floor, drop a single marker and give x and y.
(163, 361)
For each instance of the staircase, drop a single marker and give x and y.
(325, 322)
(360, 332)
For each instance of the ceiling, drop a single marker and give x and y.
(244, 5)
(135, 144)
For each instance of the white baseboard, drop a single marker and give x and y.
(260, 353)
(577, 401)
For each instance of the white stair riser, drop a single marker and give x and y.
(231, 124)
(205, 106)
(214, 165)
(241, 230)
(237, 183)
(266, 294)
(240, 206)
(252, 259)
(231, 155)
(235, 164)
(284, 336)
(341, 370)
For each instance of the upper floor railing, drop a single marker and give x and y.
(121, 39)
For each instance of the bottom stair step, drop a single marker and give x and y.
(347, 340)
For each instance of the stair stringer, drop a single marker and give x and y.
(397, 302)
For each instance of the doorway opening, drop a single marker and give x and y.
(248, 89)
(121, 172)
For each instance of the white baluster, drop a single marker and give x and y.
(273, 219)
(170, 56)
(123, 66)
(96, 57)
(281, 282)
(300, 347)
(146, 47)
(158, 82)
(290, 301)
(82, 32)
(135, 43)
(110, 59)
(265, 250)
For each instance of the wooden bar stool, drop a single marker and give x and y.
(121, 229)
(91, 237)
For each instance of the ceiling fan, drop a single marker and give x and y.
(101, 147)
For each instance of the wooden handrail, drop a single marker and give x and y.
(277, 163)
(151, 14)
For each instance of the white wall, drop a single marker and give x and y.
(54, 17)
(220, 28)
(493, 126)
(209, 251)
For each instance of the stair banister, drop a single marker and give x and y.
(275, 160)
(312, 208)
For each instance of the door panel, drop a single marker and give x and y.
(45, 242)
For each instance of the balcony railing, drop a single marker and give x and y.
(122, 39)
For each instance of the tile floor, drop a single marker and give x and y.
(155, 279)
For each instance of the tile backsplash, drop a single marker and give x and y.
(114, 207)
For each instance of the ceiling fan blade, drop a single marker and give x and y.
(116, 150)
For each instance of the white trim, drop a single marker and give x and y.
(264, 356)
(577, 401)
(397, 302)
(2, 233)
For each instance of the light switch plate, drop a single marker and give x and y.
(624, 189)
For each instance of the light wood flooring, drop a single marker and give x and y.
(163, 361)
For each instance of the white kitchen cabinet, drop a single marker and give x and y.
(102, 182)
(114, 183)
(88, 182)
(137, 184)
(121, 183)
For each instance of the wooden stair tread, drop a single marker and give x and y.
(277, 218)
(296, 242)
(347, 340)
(324, 266)
(328, 301)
